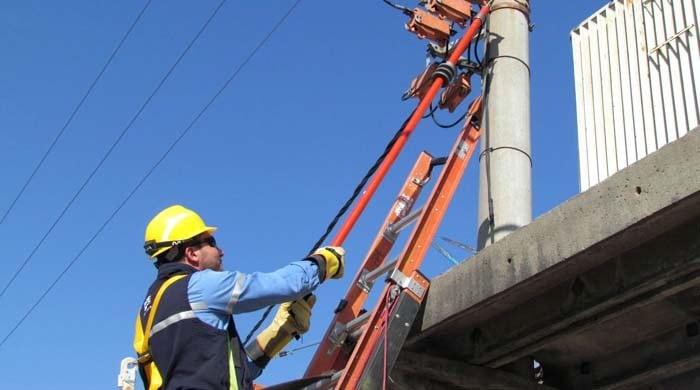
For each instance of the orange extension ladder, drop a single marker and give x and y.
(359, 348)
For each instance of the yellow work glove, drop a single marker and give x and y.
(331, 262)
(292, 319)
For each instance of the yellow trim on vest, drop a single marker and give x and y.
(233, 380)
(141, 338)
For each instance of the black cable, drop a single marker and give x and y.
(340, 213)
(405, 10)
(362, 183)
(111, 149)
(430, 113)
(491, 150)
(75, 111)
(476, 46)
(148, 174)
(258, 324)
(469, 51)
(450, 125)
(447, 43)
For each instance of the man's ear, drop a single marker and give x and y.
(191, 256)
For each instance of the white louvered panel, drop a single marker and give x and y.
(598, 107)
(690, 59)
(625, 99)
(649, 95)
(640, 113)
(607, 120)
(615, 111)
(580, 112)
(637, 78)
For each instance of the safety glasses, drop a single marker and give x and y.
(211, 241)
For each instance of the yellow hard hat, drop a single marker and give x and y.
(171, 227)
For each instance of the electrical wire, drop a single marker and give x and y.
(75, 111)
(362, 183)
(476, 46)
(153, 168)
(110, 150)
(430, 113)
(288, 352)
(405, 10)
(469, 52)
(340, 213)
(258, 324)
(444, 126)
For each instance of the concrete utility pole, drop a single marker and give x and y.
(505, 165)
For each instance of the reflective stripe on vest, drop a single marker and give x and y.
(177, 317)
(232, 379)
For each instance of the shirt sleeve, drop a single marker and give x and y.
(235, 292)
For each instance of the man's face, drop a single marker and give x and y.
(208, 254)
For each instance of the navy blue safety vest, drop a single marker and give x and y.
(187, 352)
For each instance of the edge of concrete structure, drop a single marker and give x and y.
(635, 204)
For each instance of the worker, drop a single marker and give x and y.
(185, 334)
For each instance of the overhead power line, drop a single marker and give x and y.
(111, 148)
(75, 111)
(153, 168)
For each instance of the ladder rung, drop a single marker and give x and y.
(322, 383)
(367, 279)
(357, 322)
(333, 379)
(354, 336)
(341, 331)
(395, 228)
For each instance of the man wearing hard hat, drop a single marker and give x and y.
(185, 334)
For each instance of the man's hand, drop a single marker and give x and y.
(292, 319)
(295, 317)
(331, 262)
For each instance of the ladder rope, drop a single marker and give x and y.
(386, 340)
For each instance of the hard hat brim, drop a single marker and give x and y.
(207, 229)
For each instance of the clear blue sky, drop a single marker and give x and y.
(269, 163)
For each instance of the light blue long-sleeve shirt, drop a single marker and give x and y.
(216, 295)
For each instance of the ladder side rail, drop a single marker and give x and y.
(416, 247)
(327, 356)
(397, 326)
